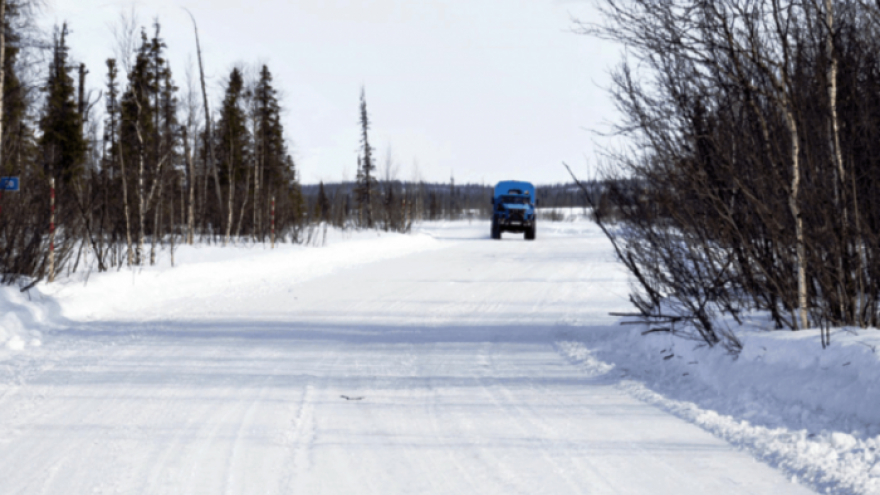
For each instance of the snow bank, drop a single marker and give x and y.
(20, 321)
(201, 272)
(213, 272)
(813, 413)
(842, 380)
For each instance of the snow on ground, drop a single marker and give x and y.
(437, 362)
(20, 320)
(206, 272)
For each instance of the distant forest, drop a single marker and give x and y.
(337, 204)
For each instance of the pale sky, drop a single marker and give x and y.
(486, 90)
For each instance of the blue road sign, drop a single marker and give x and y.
(9, 184)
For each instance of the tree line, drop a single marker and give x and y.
(158, 165)
(751, 176)
(120, 163)
(397, 204)
(121, 173)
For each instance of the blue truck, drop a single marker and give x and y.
(513, 209)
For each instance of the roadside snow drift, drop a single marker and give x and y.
(20, 320)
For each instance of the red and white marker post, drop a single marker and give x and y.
(52, 229)
(273, 222)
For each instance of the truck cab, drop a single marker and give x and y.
(513, 209)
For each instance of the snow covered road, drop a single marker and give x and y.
(435, 370)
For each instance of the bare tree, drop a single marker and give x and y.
(208, 129)
(751, 158)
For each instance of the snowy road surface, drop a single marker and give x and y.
(436, 371)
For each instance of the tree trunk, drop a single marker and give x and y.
(157, 236)
(258, 159)
(141, 205)
(2, 69)
(209, 135)
(190, 213)
(229, 208)
(128, 241)
(247, 182)
(798, 220)
(171, 226)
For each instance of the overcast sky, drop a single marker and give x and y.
(486, 90)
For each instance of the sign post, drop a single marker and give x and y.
(51, 229)
(10, 184)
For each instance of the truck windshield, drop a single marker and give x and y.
(515, 200)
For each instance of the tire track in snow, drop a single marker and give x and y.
(211, 435)
(290, 439)
(41, 407)
(428, 396)
(509, 479)
(245, 423)
(451, 454)
(302, 434)
(531, 423)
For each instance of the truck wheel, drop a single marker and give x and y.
(496, 231)
(530, 233)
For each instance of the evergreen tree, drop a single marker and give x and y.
(62, 141)
(232, 134)
(144, 145)
(268, 144)
(297, 204)
(111, 122)
(366, 180)
(114, 163)
(167, 139)
(161, 73)
(17, 135)
(233, 141)
(322, 204)
(360, 191)
(25, 217)
(138, 131)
